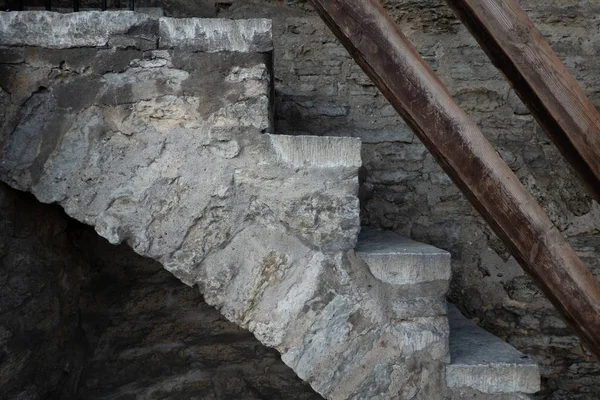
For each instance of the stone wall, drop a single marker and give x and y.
(83, 319)
(41, 345)
(153, 131)
(319, 90)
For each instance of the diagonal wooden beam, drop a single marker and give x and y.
(542, 82)
(379, 47)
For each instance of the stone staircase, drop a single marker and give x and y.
(479, 364)
(157, 132)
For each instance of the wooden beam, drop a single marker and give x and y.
(416, 92)
(542, 82)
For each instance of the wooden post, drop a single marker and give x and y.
(416, 92)
(542, 82)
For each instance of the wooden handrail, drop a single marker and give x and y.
(415, 91)
(542, 82)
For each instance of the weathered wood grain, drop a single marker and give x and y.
(540, 79)
(416, 92)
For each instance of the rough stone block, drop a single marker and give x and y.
(212, 35)
(400, 261)
(318, 152)
(484, 362)
(55, 30)
(105, 28)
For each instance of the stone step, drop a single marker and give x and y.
(401, 261)
(417, 274)
(484, 362)
(152, 11)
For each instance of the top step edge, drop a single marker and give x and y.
(379, 242)
(317, 151)
(217, 34)
(156, 12)
(56, 30)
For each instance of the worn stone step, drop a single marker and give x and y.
(484, 362)
(152, 11)
(403, 262)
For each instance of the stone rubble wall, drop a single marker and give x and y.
(167, 149)
(41, 345)
(320, 90)
(83, 319)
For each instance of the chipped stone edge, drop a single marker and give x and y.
(494, 378)
(216, 34)
(317, 151)
(56, 30)
(398, 260)
(502, 369)
(59, 31)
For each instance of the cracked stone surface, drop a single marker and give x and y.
(169, 151)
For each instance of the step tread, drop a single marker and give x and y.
(485, 362)
(374, 241)
(398, 260)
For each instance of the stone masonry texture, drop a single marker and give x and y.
(319, 90)
(83, 319)
(168, 150)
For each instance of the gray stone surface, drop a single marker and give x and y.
(400, 261)
(471, 394)
(41, 346)
(171, 8)
(214, 35)
(155, 12)
(482, 361)
(418, 275)
(83, 319)
(56, 30)
(166, 151)
(184, 8)
(97, 29)
(320, 90)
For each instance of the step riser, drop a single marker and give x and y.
(486, 364)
